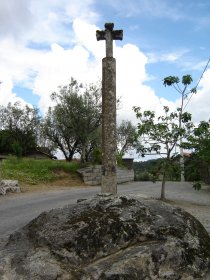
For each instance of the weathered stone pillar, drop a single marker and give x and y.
(109, 173)
(109, 176)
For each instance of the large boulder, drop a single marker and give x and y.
(109, 237)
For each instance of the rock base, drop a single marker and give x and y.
(109, 237)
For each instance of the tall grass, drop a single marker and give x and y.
(35, 171)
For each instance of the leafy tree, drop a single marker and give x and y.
(182, 88)
(18, 128)
(6, 141)
(93, 149)
(74, 118)
(162, 133)
(127, 137)
(199, 143)
(44, 144)
(196, 169)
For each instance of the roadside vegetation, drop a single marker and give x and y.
(34, 171)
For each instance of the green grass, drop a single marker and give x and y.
(35, 171)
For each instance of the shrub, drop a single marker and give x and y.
(143, 176)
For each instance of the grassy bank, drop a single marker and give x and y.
(33, 171)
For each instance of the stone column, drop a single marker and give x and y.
(109, 176)
(109, 173)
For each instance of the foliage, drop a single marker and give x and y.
(127, 137)
(182, 88)
(146, 165)
(197, 186)
(35, 171)
(92, 147)
(161, 135)
(193, 168)
(154, 168)
(161, 131)
(175, 82)
(143, 176)
(17, 149)
(96, 157)
(18, 129)
(119, 159)
(168, 131)
(199, 141)
(70, 125)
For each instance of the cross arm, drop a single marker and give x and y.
(100, 35)
(116, 35)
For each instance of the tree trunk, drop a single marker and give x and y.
(83, 154)
(163, 197)
(182, 165)
(181, 149)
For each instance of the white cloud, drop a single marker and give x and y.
(173, 56)
(54, 19)
(82, 9)
(60, 22)
(15, 68)
(200, 102)
(15, 17)
(6, 94)
(85, 35)
(131, 75)
(41, 70)
(58, 66)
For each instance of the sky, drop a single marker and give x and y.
(43, 43)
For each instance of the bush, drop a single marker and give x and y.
(197, 186)
(96, 156)
(143, 176)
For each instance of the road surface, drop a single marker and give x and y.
(17, 210)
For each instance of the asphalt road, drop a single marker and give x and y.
(17, 210)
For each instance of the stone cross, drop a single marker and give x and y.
(109, 35)
(109, 146)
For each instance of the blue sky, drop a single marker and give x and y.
(45, 42)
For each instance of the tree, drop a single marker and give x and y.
(183, 89)
(162, 133)
(19, 126)
(127, 137)
(93, 147)
(75, 116)
(199, 143)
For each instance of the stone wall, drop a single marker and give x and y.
(9, 186)
(124, 175)
(92, 175)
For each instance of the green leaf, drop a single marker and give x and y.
(194, 90)
(187, 80)
(170, 80)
